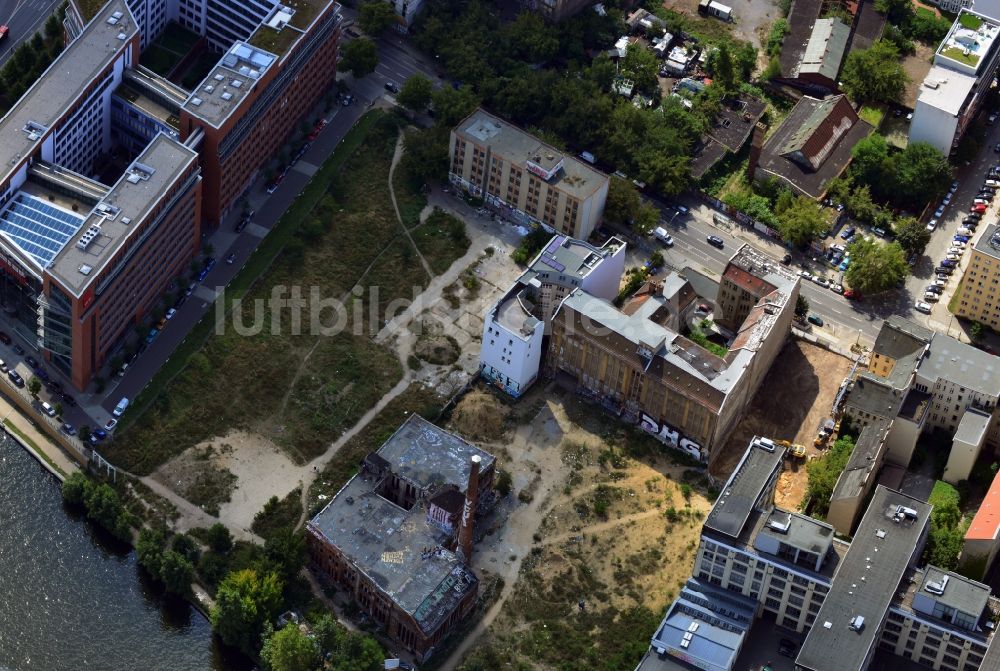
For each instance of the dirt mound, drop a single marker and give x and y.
(480, 416)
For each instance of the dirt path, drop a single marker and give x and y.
(392, 195)
(192, 516)
(601, 526)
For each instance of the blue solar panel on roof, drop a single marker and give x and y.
(552, 263)
(38, 228)
(555, 244)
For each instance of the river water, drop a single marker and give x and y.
(72, 599)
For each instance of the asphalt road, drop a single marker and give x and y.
(24, 18)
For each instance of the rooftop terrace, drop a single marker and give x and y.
(967, 43)
(229, 82)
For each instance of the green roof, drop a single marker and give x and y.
(89, 8)
(278, 42)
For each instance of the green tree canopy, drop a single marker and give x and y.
(722, 68)
(823, 475)
(415, 93)
(875, 74)
(176, 572)
(912, 235)
(875, 267)
(921, 172)
(426, 154)
(646, 219)
(288, 649)
(801, 306)
(244, 602)
(452, 105)
(375, 16)
(529, 38)
(219, 538)
(641, 66)
(360, 57)
(801, 221)
(622, 204)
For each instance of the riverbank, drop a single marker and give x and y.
(29, 435)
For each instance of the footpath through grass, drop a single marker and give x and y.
(299, 381)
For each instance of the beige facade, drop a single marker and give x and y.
(979, 295)
(523, 179)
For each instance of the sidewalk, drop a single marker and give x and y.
(26, 432)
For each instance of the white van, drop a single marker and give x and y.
(120, 408)
(588, 157)
(48, 409)
(664, 237)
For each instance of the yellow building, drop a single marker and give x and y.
(979, 295)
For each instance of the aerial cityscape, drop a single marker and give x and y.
(468, 335)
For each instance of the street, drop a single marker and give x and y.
(25, 19)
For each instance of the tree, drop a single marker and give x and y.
(219, 539)
(176, 572)
(641, 66)
(288, 649)
(360, 57)
(875, 267)
(375, 16)
(84, 433)
(34, 386)
(415, 93)
(801, 306)
(976, 332)
(802, 221)
(105, 508)
(425, 156)
(529, 39)
(823, 475)
(244, 602)
(868, 159)
(921, 173)
(722, 68)
(75, 487)
(622, 204)
(53, 29)
(912, 235)
(186, 545)
(875, 74)
(149, 550)
(452, 105)
(286, 551)
(646, 219)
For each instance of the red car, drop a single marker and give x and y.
(3, 31)
(320, 124)
(851, 294)
(979, 208)
(312, 136)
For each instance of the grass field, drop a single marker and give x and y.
(300, 389)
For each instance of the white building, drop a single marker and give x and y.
(954, 88)
(514, 327)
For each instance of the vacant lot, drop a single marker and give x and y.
(600, 531)
(796, 396)
(295, 386)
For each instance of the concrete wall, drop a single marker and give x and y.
(934, 126)
(901, 441)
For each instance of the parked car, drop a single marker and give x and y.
(190, 289)
(151, 336)
(815, 319)
(844, 264)
(31, 361)
(848, 232)
(880, 232)
(3, 366)
(230, 259)
(48, 409)
(933, 289)
(120, 408)
(952, 257)
(932, 224)
(946, 201)
(716, 241)
(961, 238)
(949, 263)
(4, 338)
(978, 207)
(964, 230)
(786, 259)
(68, 429)
(111, 424)
(954, 186)
(836, 288)
(170, 314)
(806, 275)
(18, 349)
(957, 251)
(921, 306)
(851, 294)
(931, 297)
(822, 281)
(15, 378)
(68, 400)
(944, 270)
(100, 434)
(939, 212)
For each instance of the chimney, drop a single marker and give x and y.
(756, 144)
(469, 511)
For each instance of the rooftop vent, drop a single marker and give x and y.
(126, 220)
(209, 88)
(118, 14)
(88, 236)
(113, 20)
(122, 36)
(85, 269)
(108, 211)
(237, 83)
(196, 101)
(857, 623)
(219, 77)
(227, 96)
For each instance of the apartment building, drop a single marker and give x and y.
(524, 179)
(399, 535)
(514, 328)
(920, 381)
(850, 599)
(979, 292)
(636, 362)
(953, 91)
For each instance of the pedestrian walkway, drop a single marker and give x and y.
(26, 432)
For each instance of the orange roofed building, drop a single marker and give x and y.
(983, 537)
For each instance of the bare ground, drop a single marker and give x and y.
(796, 396)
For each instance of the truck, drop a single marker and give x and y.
(716, 9)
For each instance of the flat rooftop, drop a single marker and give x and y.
(797, 530)
(569, 257)
(229, 82)
(151, 107)
(967, 44)
(957, 591)
(899, 337)
(972, 427)
(989, 242)
(130, 200)
(516, 313)
(58, 88)
(575, 178)
(397, 549)
(428, 455)
(985, 525)
(963, 364)
(945, 89)
(875, 395)
(869, 575)
(743, 491)
(761, 268)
